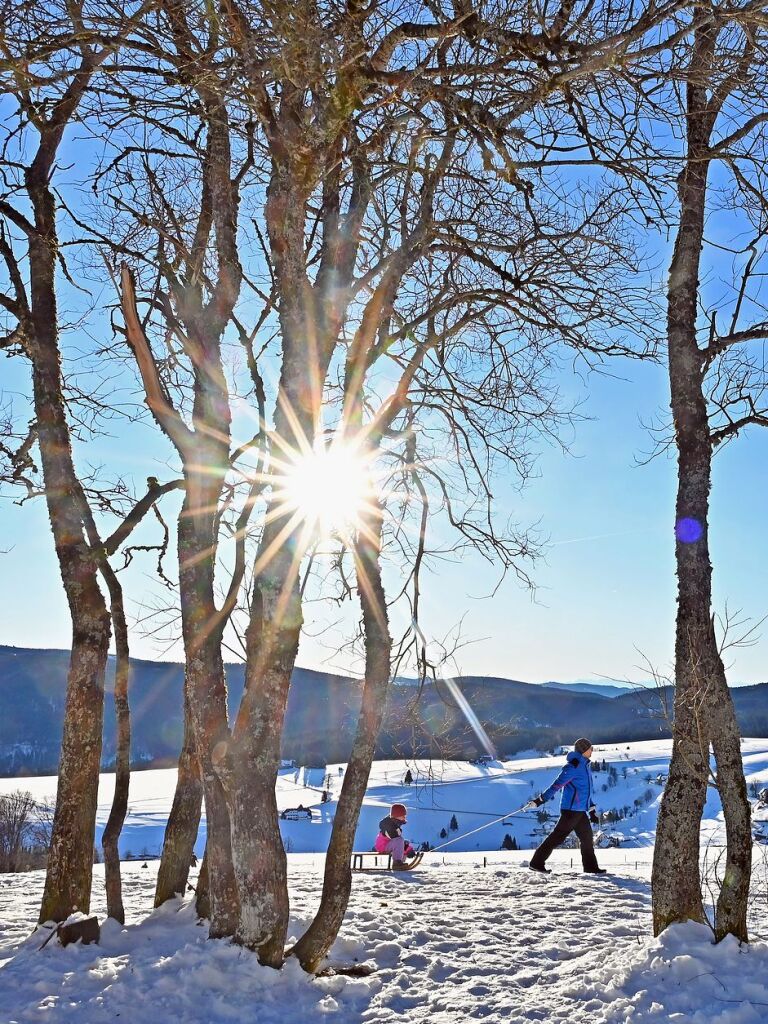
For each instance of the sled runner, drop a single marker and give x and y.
(362, 862)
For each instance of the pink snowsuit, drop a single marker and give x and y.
(395, 845)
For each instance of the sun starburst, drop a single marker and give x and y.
(327, 486)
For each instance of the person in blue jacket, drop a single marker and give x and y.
(577, 809)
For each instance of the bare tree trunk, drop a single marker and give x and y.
(205, 455)
(205, 452)
(119, 809)
(272, 639)
(733, 898)
(203, 891)
(184, 819)
(703, 708)
(206, 682)
(223, 892)
(313, 946)
(250, 774)
(676, 876)
(260, 865)
(70, 862)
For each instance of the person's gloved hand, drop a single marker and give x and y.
(593, 815)
(536, 802)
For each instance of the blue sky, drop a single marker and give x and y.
(605, 598)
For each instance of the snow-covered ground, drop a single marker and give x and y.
(453, 942)
(470, 935)
(475, 794)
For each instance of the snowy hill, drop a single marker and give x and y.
(627, 792)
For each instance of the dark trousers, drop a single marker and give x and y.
(570, 821)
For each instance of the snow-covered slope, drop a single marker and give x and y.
(474, 793)
(451, 943)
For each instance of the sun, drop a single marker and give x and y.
(328, 487)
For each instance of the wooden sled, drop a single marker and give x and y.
(362, 862)
(413, 862)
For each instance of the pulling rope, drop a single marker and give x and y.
(464, 835)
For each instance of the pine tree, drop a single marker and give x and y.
(408, 780)
(453, 825)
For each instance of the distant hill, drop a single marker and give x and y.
(322, 714)
(601, 689)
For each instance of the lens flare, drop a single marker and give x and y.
(461, 701)
(688, 530)
(327, 486)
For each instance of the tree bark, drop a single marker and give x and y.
(703, 707)
(111, 836)
(203, 891)
(204, 450)
(676, 876)
(249, 775)
(249, 771)
(733, 898)
(70, 862)
(206, 682)
(184, 819)
(313, 946)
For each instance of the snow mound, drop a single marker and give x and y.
(166, 971)
(684, 976)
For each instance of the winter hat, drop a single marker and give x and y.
(398, 811)
(582, 744)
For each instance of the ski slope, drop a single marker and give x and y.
(475, 794)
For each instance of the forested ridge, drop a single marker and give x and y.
(323, 709)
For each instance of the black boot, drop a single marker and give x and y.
(540, 868)
(595, 871)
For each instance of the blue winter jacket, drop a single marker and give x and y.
(575, 780)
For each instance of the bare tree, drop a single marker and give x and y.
(376, 152)
(184, 818)
(198, 287)
(715, 393)
(330, 92)
(51, 59)
(16, 823)
(471, 358)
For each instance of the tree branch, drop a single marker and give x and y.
(156, 397)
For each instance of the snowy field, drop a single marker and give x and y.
(470, 935)
(455, 941)
(474, 794)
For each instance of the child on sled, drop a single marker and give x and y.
(390, 838)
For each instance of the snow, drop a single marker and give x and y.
(470, 935)
(453, 942)
(475, 794)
